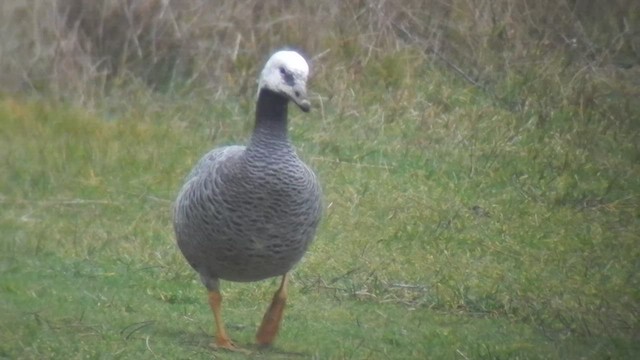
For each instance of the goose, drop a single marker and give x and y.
(248, 213)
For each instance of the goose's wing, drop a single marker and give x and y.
(212, 159)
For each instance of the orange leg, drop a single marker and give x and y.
(272, 318)
(222, 339)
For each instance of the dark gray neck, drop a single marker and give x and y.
(271, 115)
(269, 140)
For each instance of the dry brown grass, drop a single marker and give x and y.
(77, 49)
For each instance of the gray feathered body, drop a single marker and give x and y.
(248, 213)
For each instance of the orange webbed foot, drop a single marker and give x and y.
(273, 317)
(228, 345)
(221, 340)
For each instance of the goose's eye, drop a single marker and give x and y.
(287, 76)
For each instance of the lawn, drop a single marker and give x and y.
(480, 163)
(453, 229)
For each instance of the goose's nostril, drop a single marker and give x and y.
(297, 93)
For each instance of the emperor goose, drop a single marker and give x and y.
(250, 213)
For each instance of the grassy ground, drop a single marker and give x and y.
(455, 229)
(480, 161)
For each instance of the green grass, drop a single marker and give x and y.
(455, 229)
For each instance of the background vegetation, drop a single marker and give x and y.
(480, 160)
